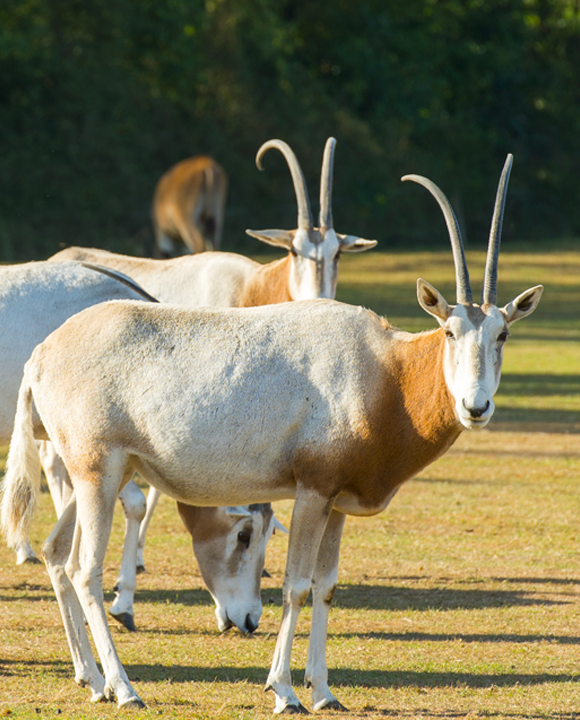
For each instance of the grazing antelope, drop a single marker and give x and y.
(347, 407)
(35, 298)
(309, 271)
(188, 206)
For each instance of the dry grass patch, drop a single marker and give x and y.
(461, 600)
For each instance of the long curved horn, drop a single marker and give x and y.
(304, 213)
(489, 294)
(464, 294)
(325, 220)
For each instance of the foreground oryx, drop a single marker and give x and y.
(188, 206)
(309, 271)
(319, 401)
(229, 543)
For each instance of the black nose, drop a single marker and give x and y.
(250, 626)
(476, 411)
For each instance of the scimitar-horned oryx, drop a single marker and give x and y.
(309, 271)
(318, 401)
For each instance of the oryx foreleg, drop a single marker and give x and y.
(324, 583)
(309, 518)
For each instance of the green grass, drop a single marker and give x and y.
(461, 600)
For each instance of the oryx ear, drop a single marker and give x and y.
(431, 300)
(237, 511)
(278, 526)
(278, 238)
(352, 243)
(523, 305)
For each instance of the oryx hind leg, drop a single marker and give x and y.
(96, 493)
(324, 583)
(56, 475)
(56, 551)
(152, 498)
(60, 491)
(133, 501)
(309, 518)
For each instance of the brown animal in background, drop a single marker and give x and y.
(188, 206)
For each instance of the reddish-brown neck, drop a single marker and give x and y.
(269, 285)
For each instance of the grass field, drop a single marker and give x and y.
(461, 600)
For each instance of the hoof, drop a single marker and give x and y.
(133, 704)
(293, 709)
(126, 619)
(331, 705)
(265, 573)
(33, 561)
(140, 569)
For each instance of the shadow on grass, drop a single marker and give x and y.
(462, 637)
(338, 677)
(377, 597)
(345, 677)
(190, 598)
(26, 668)
(537, 420)
(524, 385)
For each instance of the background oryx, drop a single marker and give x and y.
(188, 206)
(350, 408)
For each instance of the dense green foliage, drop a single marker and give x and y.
(97, 99)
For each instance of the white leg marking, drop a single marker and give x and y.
(323, 585)
(56, 474)
(152, 497)
(133, 502)
(56, 552)
(309, 519)
(96, 497)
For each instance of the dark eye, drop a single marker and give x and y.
(244, 537)
(502, 337)
(293, 252)
(449, 334)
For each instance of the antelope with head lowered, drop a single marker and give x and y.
(318, 401)
(309, 271)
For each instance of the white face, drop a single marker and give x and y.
(314, 269)
(232, 565)
(473, 357)
(473, 351)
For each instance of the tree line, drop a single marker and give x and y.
(98, 99)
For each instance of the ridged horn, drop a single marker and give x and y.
(489, 293)
(325, 219)
(464, 294)
(304, 213)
